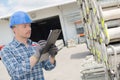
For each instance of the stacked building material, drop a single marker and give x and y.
(91, 70)
(101, 21)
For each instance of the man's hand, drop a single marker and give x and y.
(36, 56)
(34, 59)
(39, 48)
(52, 60)
(53, 51)
(42, 43)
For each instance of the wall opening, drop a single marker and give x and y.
(41, 28)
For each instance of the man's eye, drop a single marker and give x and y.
(24, 26)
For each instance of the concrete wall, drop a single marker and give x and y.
(68, 28)
(6, 34)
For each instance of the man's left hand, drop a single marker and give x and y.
(53, 51)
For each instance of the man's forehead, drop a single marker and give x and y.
(28, 24)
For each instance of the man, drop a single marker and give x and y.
(21, 56)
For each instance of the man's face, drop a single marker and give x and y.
(22, 30)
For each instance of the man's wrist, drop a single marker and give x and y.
(33, 61)
(52, 60)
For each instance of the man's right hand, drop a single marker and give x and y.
(36, 56)
(42, 43)
(39, 48)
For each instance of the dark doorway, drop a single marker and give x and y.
(41, 28)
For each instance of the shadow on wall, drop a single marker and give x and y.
(80, 55)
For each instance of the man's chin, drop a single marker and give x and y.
(27, 37)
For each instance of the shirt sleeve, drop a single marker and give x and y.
(15, 68)
(47, 65)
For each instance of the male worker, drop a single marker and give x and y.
(21, 56)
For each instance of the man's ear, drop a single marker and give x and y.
(14, 29)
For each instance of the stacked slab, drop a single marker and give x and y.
(101, 22)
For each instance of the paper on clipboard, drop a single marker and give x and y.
(52, 38)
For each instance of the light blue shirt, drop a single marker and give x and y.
(15, 56)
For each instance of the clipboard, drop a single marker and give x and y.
(52, 38)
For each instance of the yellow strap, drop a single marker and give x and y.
(105, 61)
(105, 29)
(100, 40)
(98, 30)
(94, 10)
(93, 50)
(102, 22)
(98, 55)
(106, 33)
(87, 10)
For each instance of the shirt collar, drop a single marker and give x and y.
(17, 43)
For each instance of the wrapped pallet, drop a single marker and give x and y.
(102, 25)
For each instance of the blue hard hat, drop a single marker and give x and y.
(19, 17)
